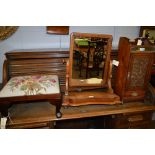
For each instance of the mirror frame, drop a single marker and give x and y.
(143, 29)
(84, 83)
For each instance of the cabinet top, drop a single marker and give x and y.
(143, 49)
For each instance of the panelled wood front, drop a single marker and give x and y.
(128, 115)
(138, 120)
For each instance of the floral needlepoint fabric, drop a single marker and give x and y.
(31, 85)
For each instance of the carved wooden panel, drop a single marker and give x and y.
(138, 69)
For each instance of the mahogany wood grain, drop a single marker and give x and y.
(105, 78)
(90, 97)
(25, 114)
(121, 72)
(134, 71)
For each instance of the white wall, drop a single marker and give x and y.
(28, 37)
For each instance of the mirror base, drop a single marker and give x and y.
(87, 98)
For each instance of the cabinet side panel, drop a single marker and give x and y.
(121, 72)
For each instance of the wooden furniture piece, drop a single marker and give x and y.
(134, 70)
(137, 120)
(39, 115)
(31, 63)
(95, 88)
(42, 115)
(32, 88)
(61, 30)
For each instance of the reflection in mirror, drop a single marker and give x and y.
(89, 58)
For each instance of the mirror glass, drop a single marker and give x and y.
(89, 58)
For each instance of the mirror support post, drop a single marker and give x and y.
(67, 77)
(110, 90)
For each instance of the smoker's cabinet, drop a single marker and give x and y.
(134, 69)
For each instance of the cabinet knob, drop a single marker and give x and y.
(134, 94)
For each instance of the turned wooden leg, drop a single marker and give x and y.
(4, 110)
(58, 112)
(57, 104)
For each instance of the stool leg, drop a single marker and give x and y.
(58, 107)
(4, 110)
(57, 104)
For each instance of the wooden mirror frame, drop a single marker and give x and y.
(81, 92)
(84, 83)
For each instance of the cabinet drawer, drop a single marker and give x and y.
(134, 95)
(131, 120)
(39, 125)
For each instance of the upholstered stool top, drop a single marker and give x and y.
(31, 85)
